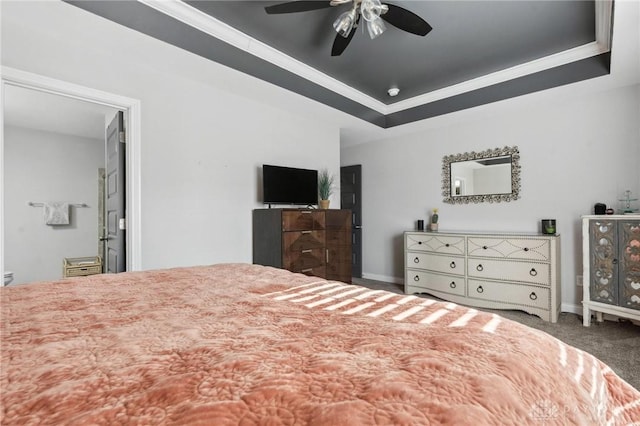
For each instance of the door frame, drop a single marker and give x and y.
(131, 108)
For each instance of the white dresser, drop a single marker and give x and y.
(498, 271)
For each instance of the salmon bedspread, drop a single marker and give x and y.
(236, 344)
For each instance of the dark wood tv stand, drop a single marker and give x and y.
(310, 241)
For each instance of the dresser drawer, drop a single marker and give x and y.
(302, 220)
(437, 263)
(432, 242)
(305, 260)
(302, 240)
(529, 272)
(510, 248)
(430, 281)
(514, 294)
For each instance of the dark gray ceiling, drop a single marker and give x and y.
(469, 39)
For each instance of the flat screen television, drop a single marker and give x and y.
(288, 185)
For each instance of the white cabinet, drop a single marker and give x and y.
(611, 266)
(498, 271)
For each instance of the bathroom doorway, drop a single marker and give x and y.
(88, 99)
(54, 150)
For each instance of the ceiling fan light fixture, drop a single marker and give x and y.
(371, 10)
(345, 22)
(376, 27)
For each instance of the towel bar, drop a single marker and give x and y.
(31, 203)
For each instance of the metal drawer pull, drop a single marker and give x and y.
(533, 296)
(533, 272)
(416, 278)
(305, 232)
(446, 245)
(452, 284)
(526, 249)
(480, 268)
(416, 260)
(484, 247)
(452, 265)
(480, 289)
(306, 251)
(304, 271)
(419, 242)
(305, 212)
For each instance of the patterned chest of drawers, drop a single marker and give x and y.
(499, 271)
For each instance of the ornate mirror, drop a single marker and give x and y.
(487, 176)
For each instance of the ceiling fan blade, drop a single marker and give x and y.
(296, 6)
(406, 20)
(340, 43)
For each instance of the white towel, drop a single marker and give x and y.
(56, 213)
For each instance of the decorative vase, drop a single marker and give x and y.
(324, 204)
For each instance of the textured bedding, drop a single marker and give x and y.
(237, 344)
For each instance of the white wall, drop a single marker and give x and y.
(206, 129)
(574, 152)
(39, 167)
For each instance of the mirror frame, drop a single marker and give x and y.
(469, 156)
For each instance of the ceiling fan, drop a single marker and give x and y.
(371, 10)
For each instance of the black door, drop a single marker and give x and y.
(350, 198)
(115, 256)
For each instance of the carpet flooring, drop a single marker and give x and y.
(615, 343)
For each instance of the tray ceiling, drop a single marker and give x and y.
(478, 51)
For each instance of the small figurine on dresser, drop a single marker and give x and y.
(433, 226)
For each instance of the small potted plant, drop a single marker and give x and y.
(325, 187)
(434, 220)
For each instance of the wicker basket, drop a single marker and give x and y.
(81, 266)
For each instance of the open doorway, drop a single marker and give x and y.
(11, 79)
(54, 154)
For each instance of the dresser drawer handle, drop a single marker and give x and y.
(525, 249)
(305, 212)
(452, 265)
(305, 232)
(480, 268)
(307, 251)
(305, 271)
(419, 242)
(447, 245)
(484, 247)
(480, 289)
(416, 278)
(533, 272)
(416, 260)
(533, 296)
(452, 284)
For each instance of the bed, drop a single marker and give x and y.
(237, 344)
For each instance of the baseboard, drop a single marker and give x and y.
(571, 307)
(383, 278)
